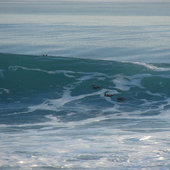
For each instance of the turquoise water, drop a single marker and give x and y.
(52, 117)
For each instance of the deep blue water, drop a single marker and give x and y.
(52, 117)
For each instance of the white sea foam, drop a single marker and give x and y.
(145, 138)
(152, 67)
(67, 73)
(124, 83)
(149, 66)
(54, 104)
(71, 149)
(91, 75)
(4, 90)
(165, 110)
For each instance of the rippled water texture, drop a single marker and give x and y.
(114, 31)
(51, 117)
(60, 62)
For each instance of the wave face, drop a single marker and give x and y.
(48, 104)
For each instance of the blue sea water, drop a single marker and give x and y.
(51, 117)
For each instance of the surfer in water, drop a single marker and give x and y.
(108, 94)
(119, 99)
(95, 87)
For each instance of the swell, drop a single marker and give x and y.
(22, 72)
(45, 85)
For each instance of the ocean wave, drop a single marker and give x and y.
(65, 85)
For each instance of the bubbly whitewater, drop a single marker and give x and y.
(52, 117)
